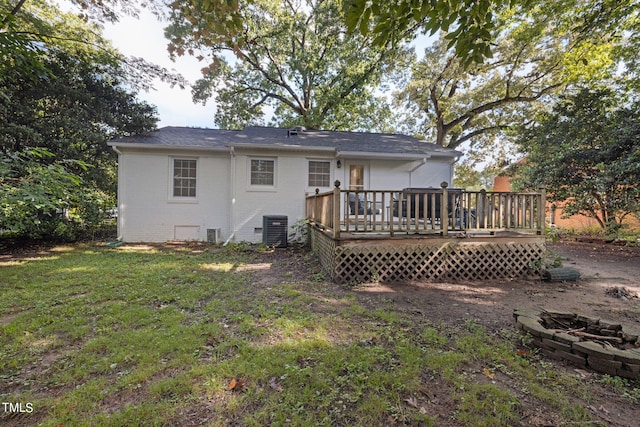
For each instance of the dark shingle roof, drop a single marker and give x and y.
(268, 137)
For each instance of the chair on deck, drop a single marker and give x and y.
(357, 205)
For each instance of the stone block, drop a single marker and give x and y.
(542, 343)
(627, 374)
(631, 356)
(603, 365)
(565, 338)
(630, 333)
(534, 328)
(575, 359)
(608, 324)
(551, 354)
(527, 312)
(560, 314)
(631, 367)
(592, 348)
(556, 344)
(587, 319)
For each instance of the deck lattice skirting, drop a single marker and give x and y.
(427, 258)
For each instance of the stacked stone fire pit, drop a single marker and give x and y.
(601, 345)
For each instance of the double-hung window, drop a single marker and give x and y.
(184, 177)
(263, 172)
(319, 173)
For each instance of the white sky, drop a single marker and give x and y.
(144, 37)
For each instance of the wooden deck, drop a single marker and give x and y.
(429, 211)
(426, 234)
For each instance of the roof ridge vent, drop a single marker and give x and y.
(295, 131)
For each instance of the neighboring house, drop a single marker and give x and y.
(207, 184)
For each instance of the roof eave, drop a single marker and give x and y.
(385, 156)
(284, 147)
(120, 144)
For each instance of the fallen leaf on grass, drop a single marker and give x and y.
(370, 341)
(213, 340)
(522, 353)
(236, 384)
(273, 383)
(488, 373)
(412, 401)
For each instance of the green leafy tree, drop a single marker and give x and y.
(65, 93)
(293, 59)
(470, 25)
(534, 57)
(586, 152)
(44, 199)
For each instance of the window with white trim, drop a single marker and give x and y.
(319, 173)
(263, 172)
(184, 177)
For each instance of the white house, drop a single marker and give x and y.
(208, 184)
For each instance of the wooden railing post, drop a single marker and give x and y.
(543, 211)
(316, 215)
(392, 206)
(444, 209)
(336, 210)
(481, 215)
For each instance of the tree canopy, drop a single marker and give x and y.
(65, 93)
(586, 152)
(539, 51)
(470, 25)
(292, 59)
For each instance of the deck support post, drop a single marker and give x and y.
(336, 210)
(444, 209)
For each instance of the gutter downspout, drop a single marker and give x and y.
(232, 193)
(422, 163)
(453, 168)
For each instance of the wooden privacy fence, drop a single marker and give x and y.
(425, 211)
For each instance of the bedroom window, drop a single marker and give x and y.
(263, 172)
(319, 173)
(184, 177)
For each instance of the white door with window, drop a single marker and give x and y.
(357, 176)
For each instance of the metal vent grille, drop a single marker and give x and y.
(274, 230)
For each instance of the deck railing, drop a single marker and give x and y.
(437, 211)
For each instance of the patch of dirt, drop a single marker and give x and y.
(491, 304)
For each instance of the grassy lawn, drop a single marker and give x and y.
(93, 336)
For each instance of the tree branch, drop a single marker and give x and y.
(11, 14)
(497, 103)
